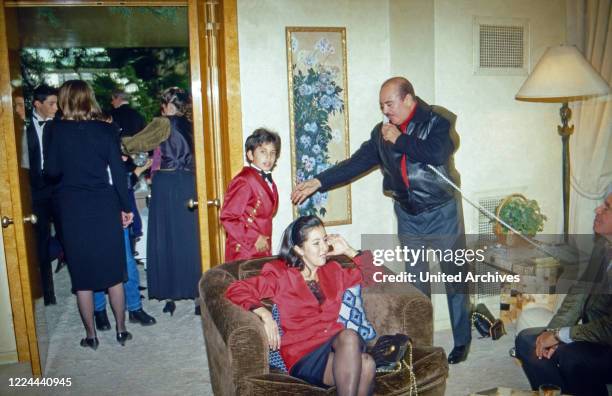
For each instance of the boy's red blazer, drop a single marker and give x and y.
(250, 204)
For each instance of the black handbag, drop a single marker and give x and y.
(389, 351)
(486, 324)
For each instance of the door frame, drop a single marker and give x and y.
(211, 23)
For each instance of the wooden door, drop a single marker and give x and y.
(15, 205)
(213, 46)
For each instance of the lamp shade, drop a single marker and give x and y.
(562, 75)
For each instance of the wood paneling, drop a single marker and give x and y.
(16, 249)
(230, 96)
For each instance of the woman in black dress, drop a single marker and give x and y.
(83, 160)
(173, 254)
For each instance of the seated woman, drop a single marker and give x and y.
(308, 289)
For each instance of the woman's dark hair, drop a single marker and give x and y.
(295, 234)
(180, 99)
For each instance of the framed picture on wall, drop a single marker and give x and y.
(318, 111)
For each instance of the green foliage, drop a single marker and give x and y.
(168, 13)
(147, 71)
(522, 214)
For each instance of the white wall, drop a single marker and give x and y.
(263, 75)
(505, 144)
(8, 348)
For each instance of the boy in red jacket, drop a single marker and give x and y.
(251, 200)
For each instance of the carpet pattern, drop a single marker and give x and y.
(169, 358)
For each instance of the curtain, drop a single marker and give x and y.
(589, 28)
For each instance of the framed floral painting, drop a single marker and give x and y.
(318, 111)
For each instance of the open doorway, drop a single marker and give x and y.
(152, 29)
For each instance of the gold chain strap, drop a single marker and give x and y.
(412, 390)
(483, 317)
(413, 385)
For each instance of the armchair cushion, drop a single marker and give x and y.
(276, 360)
(430, 369)
(353, 316)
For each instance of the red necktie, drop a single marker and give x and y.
(403, 129)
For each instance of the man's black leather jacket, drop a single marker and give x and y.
(427, 141)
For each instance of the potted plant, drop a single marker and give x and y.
(522, 214)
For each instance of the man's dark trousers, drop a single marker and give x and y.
(579, 368)
(43, 209)
(441, 228)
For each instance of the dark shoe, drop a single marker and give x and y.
(458, 354)
(141, 288)
(50, 300)
(140, 316)
(90, 343)
(198, 310)
(169, 307)
(60, 264)
(139, 262)
(102, 323)
(123, 336)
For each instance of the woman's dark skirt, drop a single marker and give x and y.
(173, 253)
(92, 236)
(311, 367)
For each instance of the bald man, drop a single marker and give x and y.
(412, 137)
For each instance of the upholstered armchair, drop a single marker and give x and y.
(237, 347)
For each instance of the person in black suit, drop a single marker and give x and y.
(44, 105)
(93, 207)
(130, 122)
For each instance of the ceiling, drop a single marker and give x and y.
(108, 27)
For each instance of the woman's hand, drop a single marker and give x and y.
(139, 169)
(127, 218)
(339, 246)
(270, 327)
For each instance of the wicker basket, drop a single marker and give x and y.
(509, 239)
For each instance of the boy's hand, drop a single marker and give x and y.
(262, 244)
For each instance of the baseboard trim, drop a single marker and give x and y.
(8, 357)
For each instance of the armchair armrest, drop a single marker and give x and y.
(244, 347)
(400, 308)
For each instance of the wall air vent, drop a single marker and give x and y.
(501, 46)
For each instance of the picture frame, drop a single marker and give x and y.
(318, 115)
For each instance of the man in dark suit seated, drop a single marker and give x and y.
(44, 103)
(575, 351)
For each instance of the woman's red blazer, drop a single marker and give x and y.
(305, 323)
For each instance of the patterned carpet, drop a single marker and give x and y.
(169, 358)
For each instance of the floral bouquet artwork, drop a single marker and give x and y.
(318, 111)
